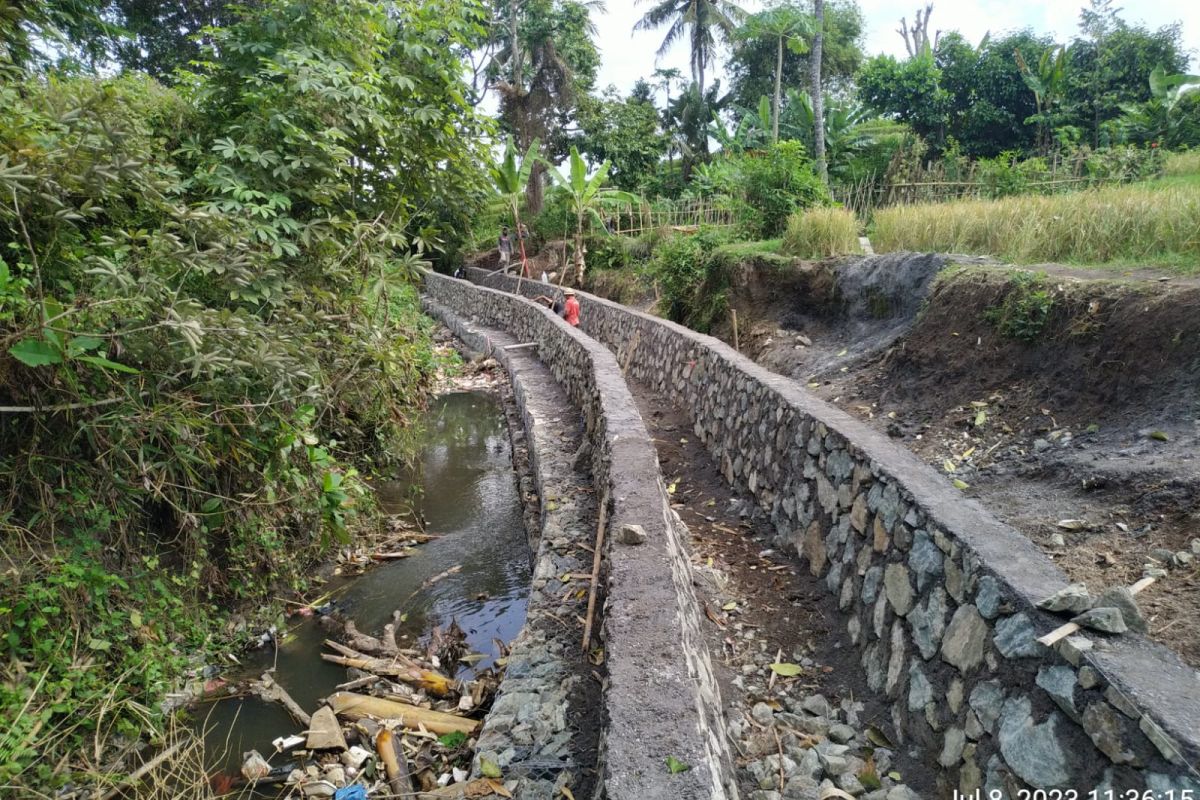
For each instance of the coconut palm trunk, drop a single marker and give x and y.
(818, 97)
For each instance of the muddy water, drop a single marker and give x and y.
(465, 490)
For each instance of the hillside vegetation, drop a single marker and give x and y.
(207, 330)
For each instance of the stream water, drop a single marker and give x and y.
(469, 498)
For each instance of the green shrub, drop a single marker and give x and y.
(821, 233)
(772, 185)
(1025, 310)
(208, 327)
(694, 284)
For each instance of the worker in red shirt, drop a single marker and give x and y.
(570, 311)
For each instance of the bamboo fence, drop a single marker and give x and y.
(633, 220)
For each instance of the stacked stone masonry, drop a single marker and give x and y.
(937, 594)
(662, 699)
(530, 733)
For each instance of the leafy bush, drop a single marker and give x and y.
(208, 327)
(692, 281)
(772, 185)
(821, 233)
(1025, 310)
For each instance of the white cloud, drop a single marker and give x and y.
(628, 56)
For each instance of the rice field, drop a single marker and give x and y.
(1150, 224)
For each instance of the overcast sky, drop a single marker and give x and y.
(627, 56)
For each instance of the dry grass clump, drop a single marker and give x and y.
(1124, 224)
(821, 233)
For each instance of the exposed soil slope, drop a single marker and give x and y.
(1091, 420)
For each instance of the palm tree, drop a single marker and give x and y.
(818, 96)
(704, 22)
(510, 179)
(786, 24)
(586, 197)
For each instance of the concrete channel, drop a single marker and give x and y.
(937, 597)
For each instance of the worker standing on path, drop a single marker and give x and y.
(506, 249)
(571, 308)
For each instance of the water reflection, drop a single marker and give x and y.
(469, 498)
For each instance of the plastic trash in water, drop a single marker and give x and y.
(545, 277)
(355, 791)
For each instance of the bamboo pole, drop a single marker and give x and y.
(356, 706)
(733, 314)
(395, 764)
(597, 557)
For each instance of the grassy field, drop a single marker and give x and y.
(1155, 223)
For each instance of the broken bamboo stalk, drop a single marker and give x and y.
(358, 683)
(1063, 631)
(395, 764)
(392, 555)
(356, 706)
(597, 557)
(433, 682)
(520, 346)
(273, 691)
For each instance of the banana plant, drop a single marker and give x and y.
(753, 129)
(585, 197)
(510, 179)
(1048, 82)
(1170, 88)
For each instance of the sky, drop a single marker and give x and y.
(628, 56)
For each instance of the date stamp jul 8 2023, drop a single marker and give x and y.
(1077, 794)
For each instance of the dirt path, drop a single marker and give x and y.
(789, 734)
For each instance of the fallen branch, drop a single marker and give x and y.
(141, 771)
(270, 691)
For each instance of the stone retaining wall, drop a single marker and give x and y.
(662, 699)
(937, 594)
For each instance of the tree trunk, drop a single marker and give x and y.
(535, 189)
(818, 97)
(515, 45)
(778, 89)
(703, 111)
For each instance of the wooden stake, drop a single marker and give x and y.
(597, 557)
(733, 314)
(1063, 631)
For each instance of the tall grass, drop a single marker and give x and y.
(1181, 164)
(1116, 224)
(821, 233)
